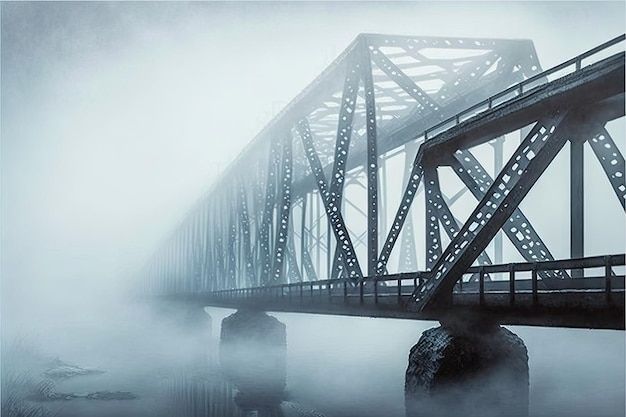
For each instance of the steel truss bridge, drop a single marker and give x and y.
(387, 186)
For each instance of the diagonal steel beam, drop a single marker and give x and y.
(294, 274)
(449, 223)
(408, 252)
(333, 210)
(232, 258)
(432, 198)
(342, 145)
(403, 80)
(244, 221)
(518, 228)
(268, 212)
(403, 211)
(528, 162)
(304, 250)
(284, 210)
(612, 162)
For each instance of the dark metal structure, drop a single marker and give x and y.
(308, 200)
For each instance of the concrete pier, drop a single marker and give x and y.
(253, 355)
(467, 370)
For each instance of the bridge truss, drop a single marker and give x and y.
(309, 199)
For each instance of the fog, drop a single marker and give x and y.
(116, 117)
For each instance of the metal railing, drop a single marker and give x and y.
(603, 282)
(519, 89)
(392, 289)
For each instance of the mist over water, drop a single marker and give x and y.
(336, 366)
(117, 116)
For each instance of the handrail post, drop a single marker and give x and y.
(399, 290)
(481, 286)
(375, 290)
(578, 63)
(511, 285)
(345, 290)
(301, 292)
(607, 278)
(330, 295)
(361, 291)
(535, 286)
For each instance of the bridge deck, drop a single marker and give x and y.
(593, 301)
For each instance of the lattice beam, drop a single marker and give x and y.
(523, 169)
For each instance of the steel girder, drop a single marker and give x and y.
(284, 211)
(264, 238)
(347, 111)
(307, 263)
(612, 163)
(244, 221)
(408, 251)
(433, 200)
(440, 212)
(525, 166)
(372, 162)
(503, 196)
(244, 229)
(293, 273)
(518, 228)
(402, 213)
(333, 210)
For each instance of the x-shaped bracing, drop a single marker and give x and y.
(499, 202)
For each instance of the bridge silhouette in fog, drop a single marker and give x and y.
(392, 187)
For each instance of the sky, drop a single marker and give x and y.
(117, 116)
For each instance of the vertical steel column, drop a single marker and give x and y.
(245, 241)
(407, 261)
(577, 202)
(372, 161)
(303, 239)
(197, 251)
(432, 197)
(498, 163)
(188, 256)
(268, 212)
(284, 211)
(232, 240)
(329, 259)
(318, 227)
(383, 204)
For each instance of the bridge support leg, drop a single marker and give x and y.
(465, 370)
(253, 355)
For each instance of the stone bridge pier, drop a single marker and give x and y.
(467, 367)
(253, 355)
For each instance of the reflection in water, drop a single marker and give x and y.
(247, 379)
(189, 395)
